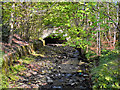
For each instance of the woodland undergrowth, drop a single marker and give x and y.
(105, 74)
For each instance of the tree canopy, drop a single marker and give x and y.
(93, 27)
(84, 23)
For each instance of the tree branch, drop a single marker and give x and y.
(112, 5)
(108, 17)
(44, 11)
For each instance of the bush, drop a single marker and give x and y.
(106, 74)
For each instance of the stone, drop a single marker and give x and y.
(71, 55)
(43, 80)
(49, 80)
(81, 79)
(68, 75)
(35, 85)
(39, 83)
(44, 84)
(49, 71)
(74, 61)
(81, 87)
(80, 63)
(36, 70)
(40, 76)
(43, 71)
(25, 80)
(57, 87)
(34, 73)
(29, 83)
(73, 84)
(68, 68)
(85, 75)
(37, 44)
(28, 74)
(24, 86)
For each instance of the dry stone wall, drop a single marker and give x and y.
(18, 48)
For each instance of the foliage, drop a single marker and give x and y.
(1, 62)
(77, 20)
(90, 54)
(1, 59)
(106, 74)
(81, 22)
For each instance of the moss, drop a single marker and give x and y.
(43, 41)
(13, 77)
(14, 70)
(4, 82)
(28, 59)
(1, 59)
(18, 67)
(5, 64)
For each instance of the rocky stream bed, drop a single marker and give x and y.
(60, 68)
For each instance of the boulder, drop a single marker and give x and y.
(37, 44)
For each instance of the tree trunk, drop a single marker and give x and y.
(97, 37)
(1, 22)
(98, 33)
(115, 30)
(87, 33)
(118, 45)
(11, 23)
(99, 45)
(119, 26)
(110, 37)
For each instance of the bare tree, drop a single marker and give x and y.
(115, 28)
(110, 37)
(99, 44)
(119, 26)
(98, 32)
(11, 23)
(119, 38)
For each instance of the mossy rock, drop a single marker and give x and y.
(37, 44)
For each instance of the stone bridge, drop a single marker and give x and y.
(49, 31)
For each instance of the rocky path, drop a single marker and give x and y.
(60, 68)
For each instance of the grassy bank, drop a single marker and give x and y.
(1, 60)
(14, 70)
(106, 74)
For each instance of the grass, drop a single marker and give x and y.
(12, 76)
(1, 60)
(105, 75)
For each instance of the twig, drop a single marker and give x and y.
(108, 17)
(43, 11)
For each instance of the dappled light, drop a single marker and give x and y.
(60, 45)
